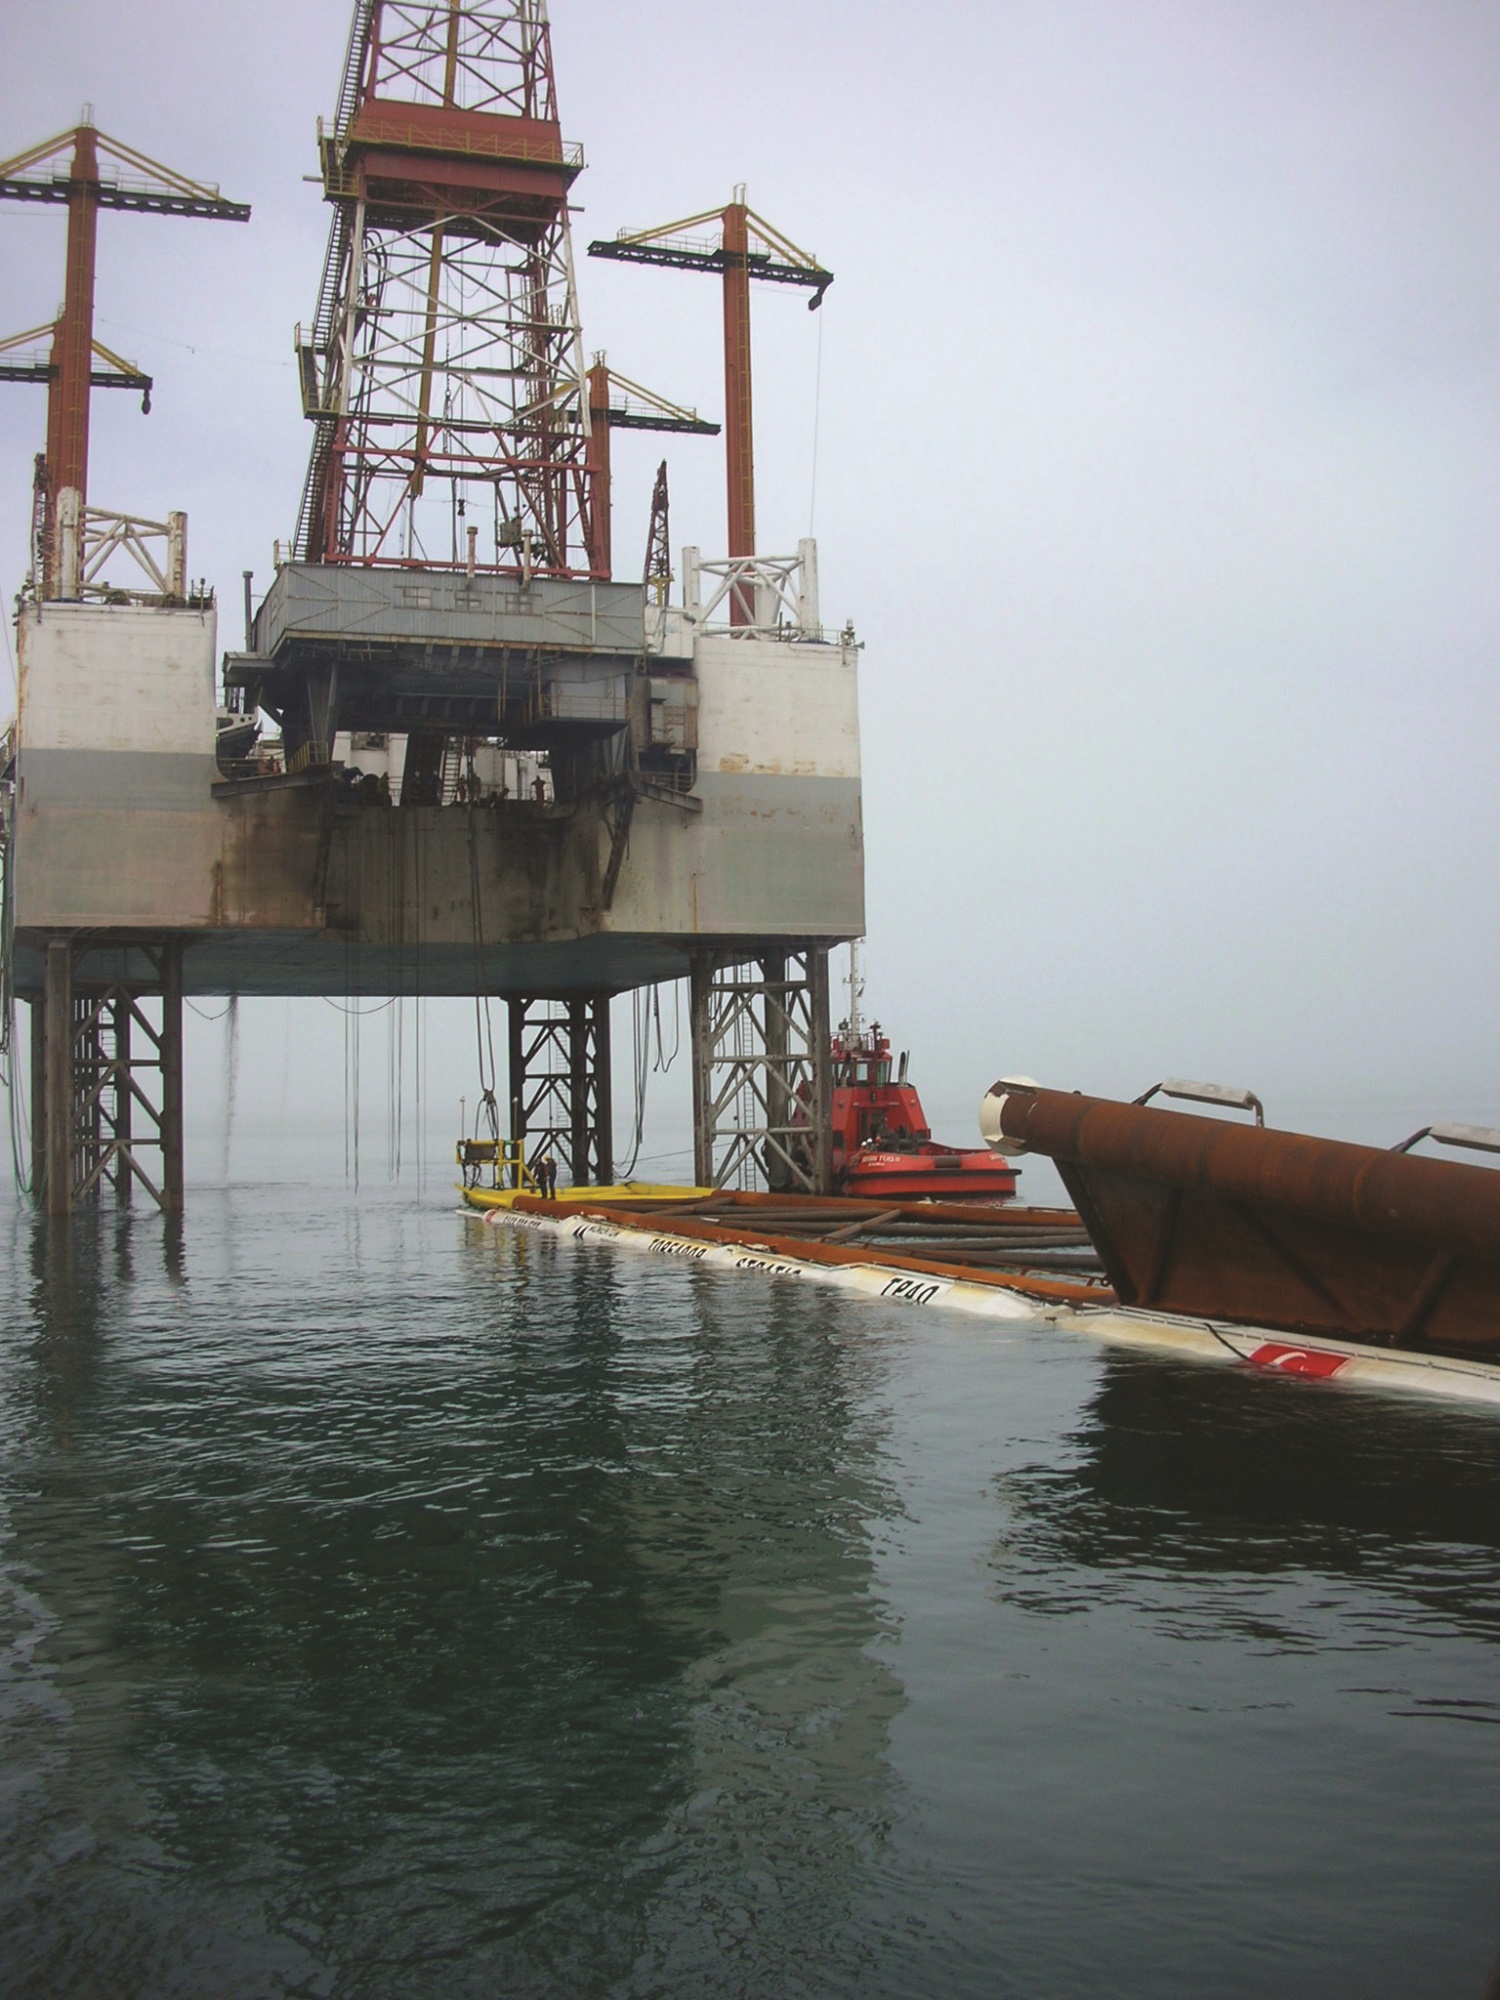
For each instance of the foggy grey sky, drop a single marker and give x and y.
(1156, 468)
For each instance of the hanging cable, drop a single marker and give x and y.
(352, 1017)
(18, 1123)
(419, 872)
(812, 503)
(484, 1031)
(231, 1075)
(17, 1109)
(354, 1093)
(338, 1007)
(663, 1063)
(395, 1087)
(640, 1052)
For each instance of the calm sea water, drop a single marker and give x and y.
(392, 1607)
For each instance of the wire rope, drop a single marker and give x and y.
(664, 1062)
(812, 503)
(484, 1028)
(337, 1007)
(17, 1109)
(640, 1051)
(231, 1076)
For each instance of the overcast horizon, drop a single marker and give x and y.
(1155, 405)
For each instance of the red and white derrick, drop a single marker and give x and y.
(444, 369)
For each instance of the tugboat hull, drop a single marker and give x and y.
(931, 1177)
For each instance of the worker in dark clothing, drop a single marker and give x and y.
(546, 1176)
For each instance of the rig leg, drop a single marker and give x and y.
(38, 1006)
(560, 1090)
(106, 1084)
(171, 1079)
(57, 1089)
(122, 1122)
(578, 1092)
(780, 1100)
(821, 1068)
(700, 989)
(603, 1091)
(762, 1081)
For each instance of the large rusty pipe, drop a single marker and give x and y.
(1398, 1195)
(596, 460)
(73, 338)
(739, 424)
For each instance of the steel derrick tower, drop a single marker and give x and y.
(444, 368)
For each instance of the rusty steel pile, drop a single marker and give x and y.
(1199, 1216)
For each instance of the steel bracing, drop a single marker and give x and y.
(444, 368)
(762, 1085)
(560, 1091)
(106, 1065)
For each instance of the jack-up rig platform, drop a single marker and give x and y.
(500, 768)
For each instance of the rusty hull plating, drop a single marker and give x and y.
(1194, 1215)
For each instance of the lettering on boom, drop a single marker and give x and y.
(673, 1246)
(911, 1290)
(768, 1264)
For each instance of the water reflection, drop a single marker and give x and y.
(789, 1707)
(391, 1614)
(1179, 1470)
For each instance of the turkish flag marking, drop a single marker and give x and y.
(1297, 1360)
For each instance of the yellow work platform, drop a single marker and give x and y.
(627, 1191)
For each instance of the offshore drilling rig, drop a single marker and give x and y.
(500, 769)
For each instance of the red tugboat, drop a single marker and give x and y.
(882, 1144)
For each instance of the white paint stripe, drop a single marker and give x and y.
(871, 1280)
(1208, 1340)
(1420, 1374)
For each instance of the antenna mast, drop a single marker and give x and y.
(856, 991)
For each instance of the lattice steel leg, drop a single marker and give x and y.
(122, 1123)
(560, 1084)
(762, 1085)
(94, 1051)
(57, 1088)
(172, 1189)
(38, 1097)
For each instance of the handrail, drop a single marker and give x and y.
(1205, 1093)
(1478, 1138)
(504, 1157)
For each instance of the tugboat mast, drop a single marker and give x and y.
(856, 988)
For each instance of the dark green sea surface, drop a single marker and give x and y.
(391, 1606)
